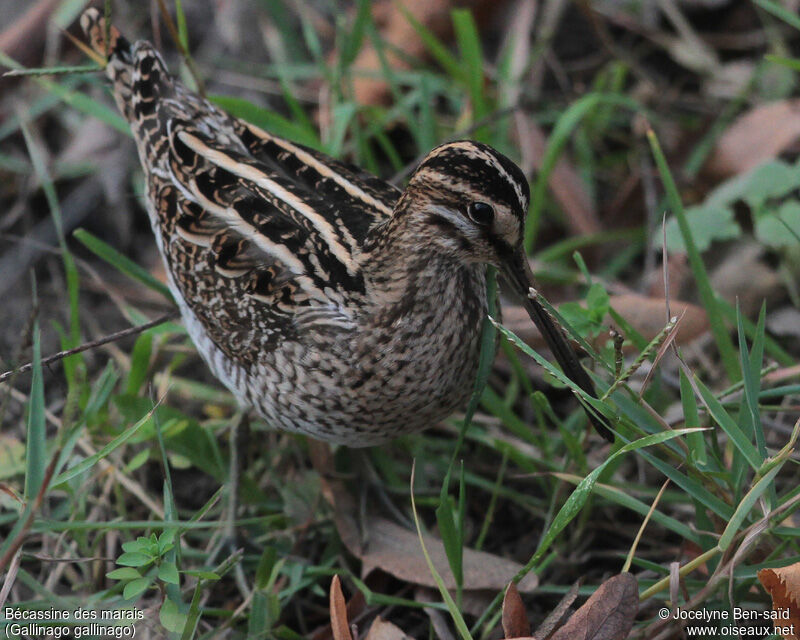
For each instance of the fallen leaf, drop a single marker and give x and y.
(395, 550)
(607, 615)
(355, 607)
(382, 544)
(761, 134)
(783, 585)
(382, 630)
(515, 620)
(745, 278)
(339, 624)
(646, 315)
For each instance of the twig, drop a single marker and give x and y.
(131, 331)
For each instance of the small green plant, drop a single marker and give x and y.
(150, 562)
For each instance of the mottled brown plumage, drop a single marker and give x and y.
(328, 300)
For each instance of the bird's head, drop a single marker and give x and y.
(469, 201)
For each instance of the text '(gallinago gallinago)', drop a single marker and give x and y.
(331, 302)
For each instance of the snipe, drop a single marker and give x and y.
(331, 302)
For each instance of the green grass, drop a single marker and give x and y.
(123, 458)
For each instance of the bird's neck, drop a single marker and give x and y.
(407, 273)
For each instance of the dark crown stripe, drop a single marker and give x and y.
(458, 167)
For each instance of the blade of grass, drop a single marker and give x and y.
(355, 38)
(691, 486)
(771, 346)
(88, 463)
(707, 295)
(751, 371)
(452, 533)
(573, 506)
(183, 31)
(746, 505)
(469, 46)
(791, 63)
(627, 566)
(624, 498)
(691, 417)
(435, 47)
(455, 613)
(780, 12)
(71, 363)
(728, 424)
(581, 494)
(268, 120)
(52, 71)
(594, 403)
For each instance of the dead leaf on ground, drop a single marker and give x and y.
(396, 550)
(761, 134)
(646, 315)
(339, 625)
(515, 620)
(745, 278)
(783, 585)
(382, 544)
(382, 630)
(355, 607)
(607, 615)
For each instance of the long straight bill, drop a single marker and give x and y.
(519, 275)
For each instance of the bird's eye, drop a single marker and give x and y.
(481, 213)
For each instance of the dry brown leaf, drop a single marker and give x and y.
(759, 135)
(355, 607)
(381, 544)
(646, 315)
(745, 278)
(339, 624)
(382, 630)
(515, 620)
(607, 615)
(783, 585)
(395, 550)
(649, 315)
